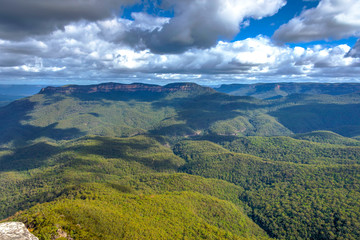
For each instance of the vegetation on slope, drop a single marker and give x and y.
(98, 211)
(302, 113)
(129, 165)
(280, 195)
(292, 150)
(327, 137)
(176, 114)
(61, 116)
(289, 201)
(40, 171)
(278, 90)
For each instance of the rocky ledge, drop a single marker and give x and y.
(118, 87)
(15, 231)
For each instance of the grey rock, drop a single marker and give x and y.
(15, 231)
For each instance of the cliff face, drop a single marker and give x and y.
(117, 87)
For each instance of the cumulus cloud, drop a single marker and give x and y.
(200, 23)
(142, 48)
(355, 51)
(81, 51)
(23, 18)
(196, 23)
(331, 19)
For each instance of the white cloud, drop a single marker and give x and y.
(331, 19)
(200, 23)
(109, 50)
(147, 22)
(81, 51)
(37, 69)
(196, 23)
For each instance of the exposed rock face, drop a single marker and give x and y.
(117, 87)
(15, 231)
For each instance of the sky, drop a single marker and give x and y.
(210, 42)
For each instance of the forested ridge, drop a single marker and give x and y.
(185, 163)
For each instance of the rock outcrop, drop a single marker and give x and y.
(15, 231)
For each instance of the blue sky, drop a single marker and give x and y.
(268, 25)
(206, 41)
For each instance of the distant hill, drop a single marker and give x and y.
(176, 110)
(302, 113)
(126, 88)
(327, 137)
(288, 149)
(278, 90)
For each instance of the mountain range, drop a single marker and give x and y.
(183, 161)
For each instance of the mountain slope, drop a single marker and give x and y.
(306, 113)
(42, 170)
(176, 110)
(289, 201)
(327, 137)
(278, 90)
(71, 111)
(292, 150)
(138, 171)
(125, 110)
(340, 118)
(276, 195)
(101, 212)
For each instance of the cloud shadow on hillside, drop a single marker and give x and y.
(29, 157)
(128, 149)
(339, 118)
(14, 130)
(202, 111)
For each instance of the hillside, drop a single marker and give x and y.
(125, 110)
(176, 110)
(104, 212)
(42, 170)
(279, 90)
(135, 160)
(142, 165)
(302, 113)
(327, 137)
(292, 150)
(289, 201)
(139, 171)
